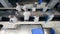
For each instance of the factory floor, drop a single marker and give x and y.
(24, 29)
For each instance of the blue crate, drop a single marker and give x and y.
(52, 31)
(37, 31)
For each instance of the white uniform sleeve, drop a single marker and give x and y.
(36, 19)
(33, 9)
(24, 8)
(50, 17)
(18, 8)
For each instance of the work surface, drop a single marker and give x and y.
(45, 25)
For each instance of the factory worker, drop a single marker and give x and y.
(34, 9)
(26, 15)
(13, 19)
(18, 7)
(49, 17)
(34, 6)
(36, 19)
(24, 8)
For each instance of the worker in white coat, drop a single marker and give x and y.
(34, 6)
(24, 8)
(34, 9)
(26, 15)
(36, 19)
(18, 7)
(13, 19)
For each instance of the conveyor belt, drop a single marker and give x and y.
(45, 25)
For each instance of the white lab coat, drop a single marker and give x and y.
(33, 9)
(24, 8)
(36, 19)
(26, 15)
(14, 19)
(18, 8)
